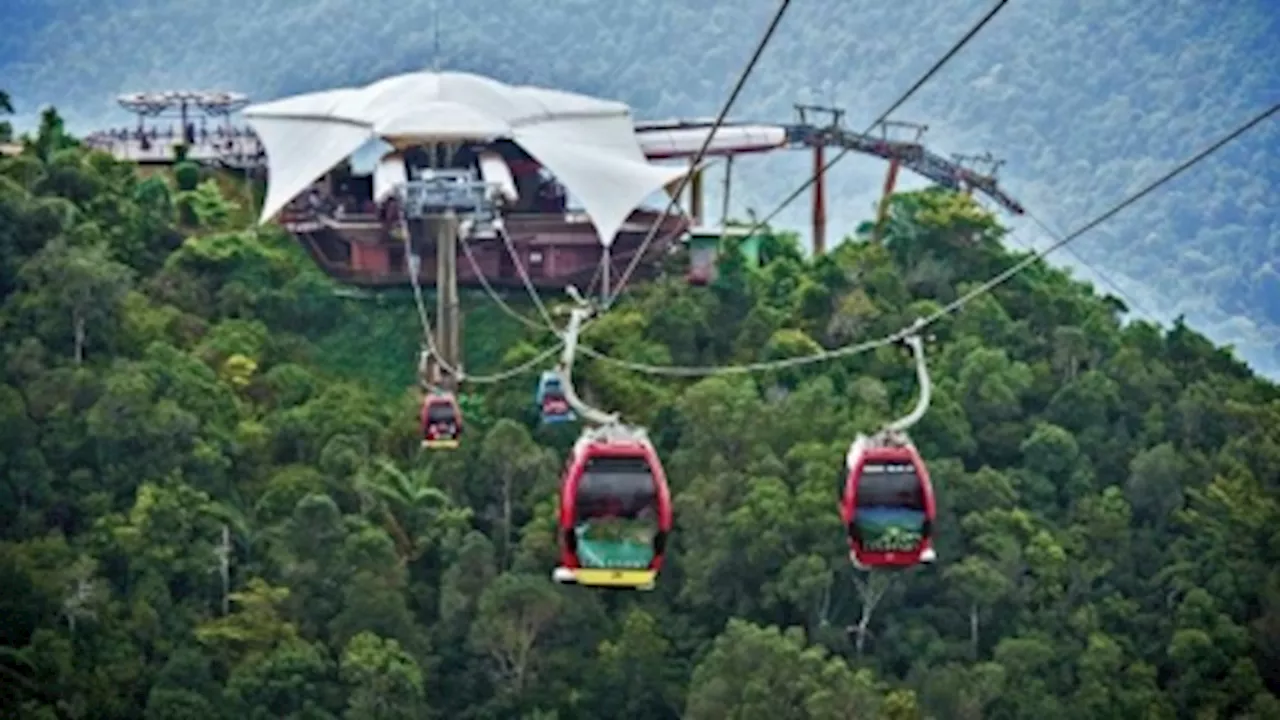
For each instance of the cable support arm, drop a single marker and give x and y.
(577, 317)
(424, 368)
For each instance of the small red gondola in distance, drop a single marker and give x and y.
(613, 478)
(887, 505)
(441, 421)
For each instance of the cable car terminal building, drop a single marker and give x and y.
(481, 148)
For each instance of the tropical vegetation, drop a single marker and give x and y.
(215, 504)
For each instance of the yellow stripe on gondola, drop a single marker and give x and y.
(440, 444)
(619, 578)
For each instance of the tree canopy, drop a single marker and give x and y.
(216, 506)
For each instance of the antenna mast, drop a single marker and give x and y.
(435, 52)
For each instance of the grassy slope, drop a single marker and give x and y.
(378, 340)
(379, 337)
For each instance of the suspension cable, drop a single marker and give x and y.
(744, 369)
(937, 66)
(1110, 213)
(492, 292)
(500, 228)
(515, 371)
(702, 151)
(414, 262)
(959, 303)
(502, 304)
(522, 318)
(415, 265)
(685, 180)
(1133, 304)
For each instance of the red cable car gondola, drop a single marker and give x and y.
(888, 505)
(886, 500)
(551, 399)
(441, 421)
(615, 507)
(615, 511)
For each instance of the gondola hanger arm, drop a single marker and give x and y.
(577, 316)
(913, 340)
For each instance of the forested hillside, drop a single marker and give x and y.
(1083, 98)
(213, 511)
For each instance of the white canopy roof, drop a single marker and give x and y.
(589, 144)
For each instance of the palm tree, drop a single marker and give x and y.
(400, 497)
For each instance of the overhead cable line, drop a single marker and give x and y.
(501, 229)
(415, 264)
(957, 304)
(1129, 300)
(493, 293)
(547, 322)
(528, 322)
(724, 112)
(1112, 212)
(973, 31)
(514, 371)
(702, 151)
(720, 118)
(1131, 303)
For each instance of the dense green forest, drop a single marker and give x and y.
(215, 505)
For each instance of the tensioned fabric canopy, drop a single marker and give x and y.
(589, 144)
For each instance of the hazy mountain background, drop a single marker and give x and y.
(1086, 99)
